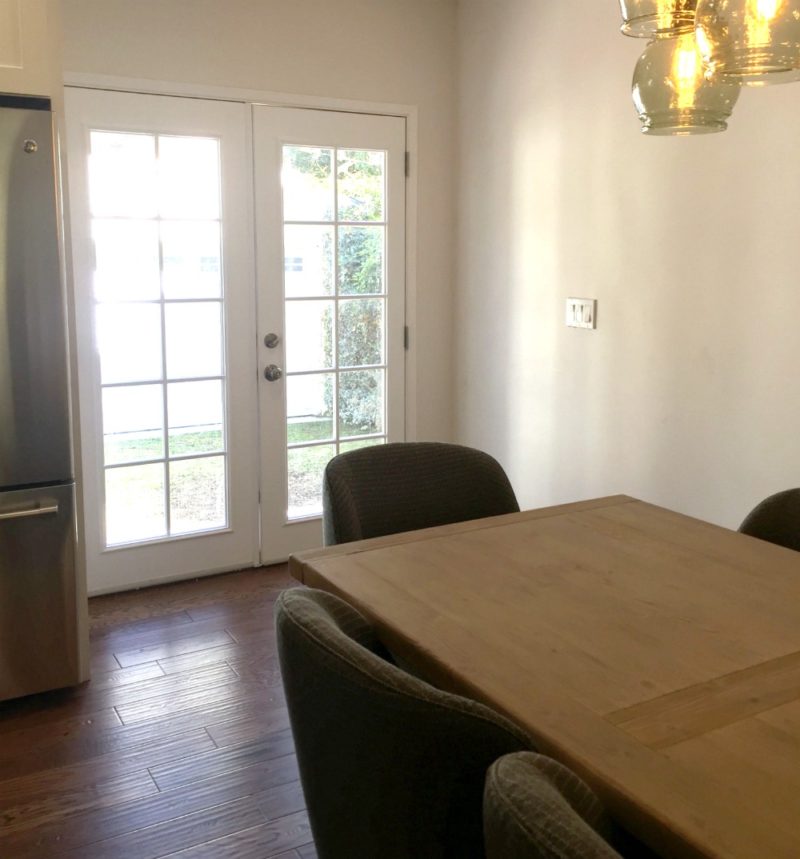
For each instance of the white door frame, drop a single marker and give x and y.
(248, 97)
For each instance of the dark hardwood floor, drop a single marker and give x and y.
(180, 744)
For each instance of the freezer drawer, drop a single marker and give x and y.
(38, 610)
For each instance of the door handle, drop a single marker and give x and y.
(271, 340)
(272, 372)
(36, 511)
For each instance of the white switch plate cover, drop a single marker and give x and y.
(582, 313)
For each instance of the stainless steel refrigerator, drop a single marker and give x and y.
(40, 598)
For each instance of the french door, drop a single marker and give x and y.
(330, 227)
(222, 359)
(162, 257)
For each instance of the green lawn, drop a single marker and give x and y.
(135, 494)
(319, 430)
(122, 449)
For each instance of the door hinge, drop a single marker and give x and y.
(408, 163)
(405, 337)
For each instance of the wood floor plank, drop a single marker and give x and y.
(104, 680)
(166, 624)
(23, 736)
(250, 728)
(218, 761)
(272, 783)
(75, 740)
(63, 800)
(187, 644)
(197, 827)
(250, 586)
(281, 800)
(228, 652)
(166, 685)
(178, 834)
(260, 842)
(251, 621)
(159, 752)
(264, 668)
(160, 707)
(48, 708)
(102, 660)
(238, 703)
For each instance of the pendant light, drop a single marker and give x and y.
(657, 19)
(674, 96)
(754, 42)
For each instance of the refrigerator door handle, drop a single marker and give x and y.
(36, 511)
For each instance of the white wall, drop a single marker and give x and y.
(395, 51)
(688, 394)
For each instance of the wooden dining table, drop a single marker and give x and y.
(656, 654)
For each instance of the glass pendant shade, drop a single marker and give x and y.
(754, 42)
(657, 19)
(674, 96)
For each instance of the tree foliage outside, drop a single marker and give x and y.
(359, 176)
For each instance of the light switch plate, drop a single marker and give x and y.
(582, 313)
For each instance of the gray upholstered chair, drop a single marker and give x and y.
(776, 519)
(403, 486)
(534, 808)
(390, 766)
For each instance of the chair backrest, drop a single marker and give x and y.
(403, 486)
(534, 808)
(390, 766)
(776, 519)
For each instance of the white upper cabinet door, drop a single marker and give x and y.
(26, 58)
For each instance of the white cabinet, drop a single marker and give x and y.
(27, 47)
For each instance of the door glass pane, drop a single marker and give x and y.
(194, 339)
(360, 175)
(308, 260)
(133, 423)
(306, 465)
(309, 335)
(158, 247)
(192, 259)
(135, 508)
(188, 177)
(344, 403)
(129, 342)
(361, 402)
(197, 494)
(122, 175)
(196, 421)
(361, 260)
(309, 407)
(361, 332)
(126, 260)
(307, 179)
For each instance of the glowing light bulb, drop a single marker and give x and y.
(760, 15)
(673, 94)
(754, 42)
(686, 73)
(767, 8)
